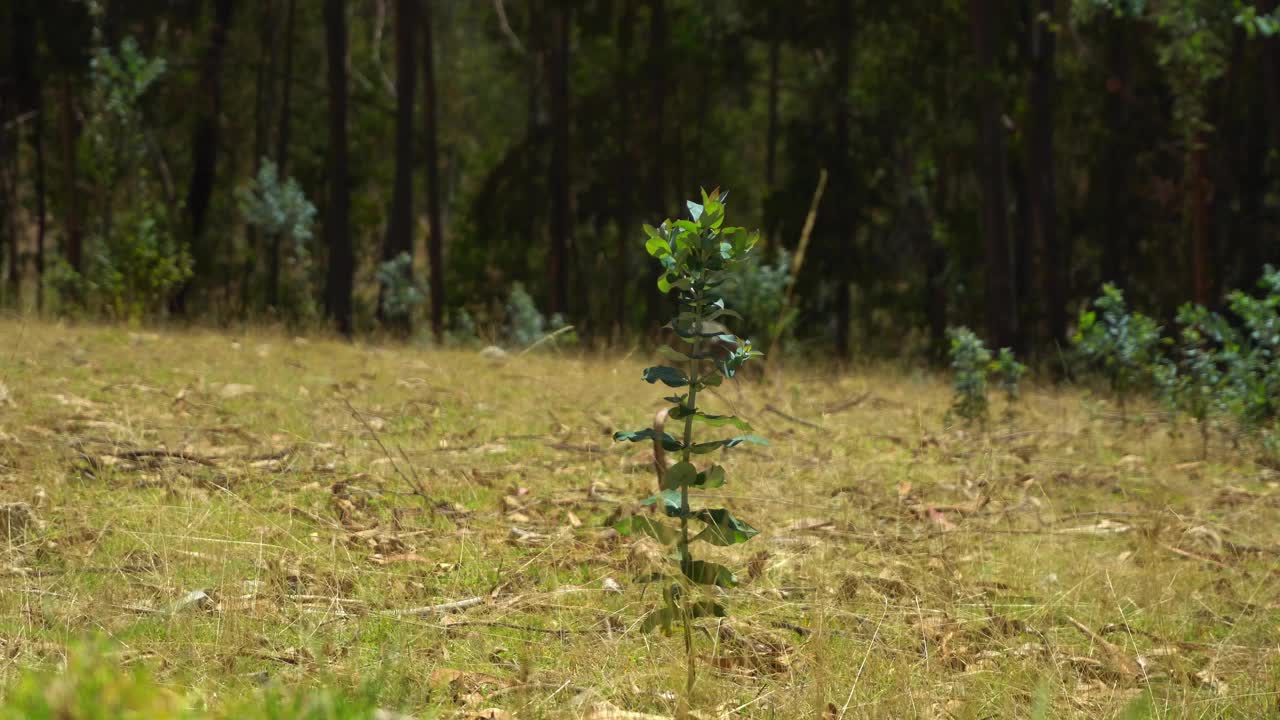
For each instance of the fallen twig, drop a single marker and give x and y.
(441, 608)
(800, 421)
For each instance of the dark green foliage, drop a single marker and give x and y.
(1196, 381)
(970, 360)
(400, 292)
(698, 257)
(1008, 372)
(1123, 346)
(973, 365)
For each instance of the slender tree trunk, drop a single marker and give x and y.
(263, 114)
(561, 192)
(282, 149)
(435, 222)
(1115, 158)
(1000, 297)
(657, 166)
(70, 166)
(771, 138)
(204, 145)
(1041, 169)
(1198, 218)
(30, 126)
(845, 238)
(626, 172)
(399, 239)
(341, 269)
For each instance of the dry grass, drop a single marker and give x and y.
(1060, 565)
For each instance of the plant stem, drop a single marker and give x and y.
(692, 406)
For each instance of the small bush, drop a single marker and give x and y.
(970, 359)
(400, 292)
(1123, 346)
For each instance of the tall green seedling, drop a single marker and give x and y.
(698, 256)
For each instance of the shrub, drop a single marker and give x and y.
(697, 256)
(281, 211)
(970, 359)
(1252, 367)
(759, 292)
(1196, 380)
(1124, 346)
(400, 292)
(133, 262)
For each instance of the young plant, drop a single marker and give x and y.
(1254, 367)
(400, 292)
(1009, 372)
(1196, 380)
(697, 255)
(970, 359)
(1123, 345)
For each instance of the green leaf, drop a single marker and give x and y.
(708, 573)
(657, 247)
(648, 526)
(681, 413)
(672, 354)
(723, 528)
(667, 375)
(679, 475)
(670, 500)
(664, 283)
(713, 477)
(695, 210)
(713, 445)
(669, 441)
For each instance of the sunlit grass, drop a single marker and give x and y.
(310, 543)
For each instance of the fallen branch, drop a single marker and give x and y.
(792, 418)
(162, 454)
(441, 608)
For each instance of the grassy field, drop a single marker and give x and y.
(239, 512)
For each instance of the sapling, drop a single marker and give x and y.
(1123, 345)
(1195, 381)
(697, 257)
(970, 359)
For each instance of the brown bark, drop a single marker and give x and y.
(1000, 299)
(435, 240)
(341, 269)
(399, 238)
(843, 176)
(626, 172)
(561, 200)
(1041, 170)
(70, 166)
(204, 144)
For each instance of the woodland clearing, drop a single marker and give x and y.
(234, 511)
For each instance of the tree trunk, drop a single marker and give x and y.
(843, 175)
(399, 239)
(435, 240)
(1198, 219)
(282, 150)
(1115, 157)
(561, 192)
(771, 137)
(30, 129)
(341, 270)
(70, 140)
(1271, 81)
(263, 111)
(657, 166)
(1000, 299)
(1041, 169)
(626, 172)
(204, 145)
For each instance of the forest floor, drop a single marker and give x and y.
(234, 511)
